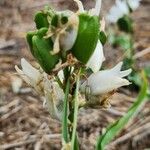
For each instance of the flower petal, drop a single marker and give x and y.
(97, 58)
(29, 71)
(117, 11)
(106, 80)
(134, 4)
(54, 99)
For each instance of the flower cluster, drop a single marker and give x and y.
(121, 8)
(64, 42)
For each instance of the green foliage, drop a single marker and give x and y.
(65, 133)
(29, 40)
(88, 34)
(41, 20)
(54, 21)
(74, 140)
(42, 48)
(102, 37)
(116, 127)
(125, 24)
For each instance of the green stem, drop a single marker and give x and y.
(76, 106)
(65, 114)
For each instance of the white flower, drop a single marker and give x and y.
(133, 4)
(54, 96)
(97, 58)
(117, 11)
(31, 75)
(106, 81)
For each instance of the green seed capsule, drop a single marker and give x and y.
(88, 34)
(42, 48)
(41, 20)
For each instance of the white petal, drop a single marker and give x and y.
(54, 97)
(98, 7)
(125, 73)
(134, 4)
(23, 76)
(117, 11)
(117, 68)
(68, 38)
(31, 76)
(97, 58)
(106, 80)
(29, 71)
(122, 5)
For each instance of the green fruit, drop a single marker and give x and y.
(88, 34)
(41, 20)
(42, 48)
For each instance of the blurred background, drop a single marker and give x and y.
(24, 123)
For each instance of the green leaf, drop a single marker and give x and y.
(42, 48)
(41, 20)
(116, 127)
(125, 24)
(75, 106)
(88, 34)
(65, 114)
(29, 40)
(135, 78)
(123, 41)
(147, 71)
(42, 32)
(76, 143)
(102, 37)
